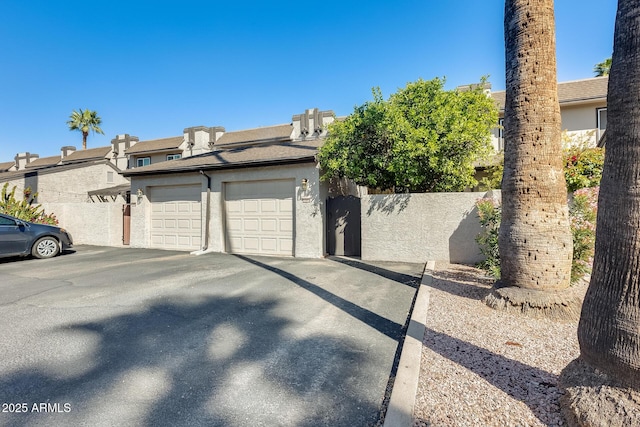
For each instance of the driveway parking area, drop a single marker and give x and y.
(137, 337)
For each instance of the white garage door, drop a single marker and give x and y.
(176, 217)
(259, 217)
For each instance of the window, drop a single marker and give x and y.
(109, 177)
(6, 221)
(602, 121)
(500, 134)
(174, 156)
(143, 161)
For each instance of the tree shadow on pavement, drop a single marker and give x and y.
(205, 360)
(405, 279)
(389, 328)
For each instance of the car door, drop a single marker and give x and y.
(14, 236)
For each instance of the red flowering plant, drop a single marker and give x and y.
(583, 167)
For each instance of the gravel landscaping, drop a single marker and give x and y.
(482, 367)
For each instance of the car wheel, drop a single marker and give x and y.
(46, 247)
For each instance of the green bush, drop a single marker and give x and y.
(24, 209)
(582, 213)
(489, 212)
(583, 167)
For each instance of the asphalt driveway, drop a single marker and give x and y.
(109, 336)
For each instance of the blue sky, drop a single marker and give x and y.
(153, 68)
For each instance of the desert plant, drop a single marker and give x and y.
(24, 209)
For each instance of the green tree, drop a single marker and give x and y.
(602, 68)
(85, 121)
(422, 139)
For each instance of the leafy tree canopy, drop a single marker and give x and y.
(422, 139)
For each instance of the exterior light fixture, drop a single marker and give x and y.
(304, 185)
(139, 193)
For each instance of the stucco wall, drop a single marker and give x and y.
(309, 206)
(68, 186)
(154, 158)
(90, 223)
(421, 227)
(581, 122)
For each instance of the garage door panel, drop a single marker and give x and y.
(269, 206)
(185, 224)
(250, 207)
(286, 225)
(269, 225)
(251, 243)
(259, 217)
(176, 217)
(286, 245)
(285, 206)
(269, 245)
(234, 224)
(251, 225)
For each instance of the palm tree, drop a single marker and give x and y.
(85, 121)
(535, 239)
(609, 329)
(602, 68)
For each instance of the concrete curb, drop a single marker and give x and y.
(405, 386)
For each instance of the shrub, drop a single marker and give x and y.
(24, 209)
(583, 212)
(583, 167)
(489, 212)
(582, 215)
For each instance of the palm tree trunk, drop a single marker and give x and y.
(84, 140)
(535, 238)
(609, 329)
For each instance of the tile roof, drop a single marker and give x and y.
(171, 143)
(280, 132)
(43, 162)
(592, 89)
(235, 157)
(6, 166)
(85, 155)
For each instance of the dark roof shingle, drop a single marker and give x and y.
(592, 89)
(43, 162)
(172, 143)
(270, 133)
(86, 155)
(6, 166)
(235, 157)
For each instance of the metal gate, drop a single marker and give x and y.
(343, 226)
